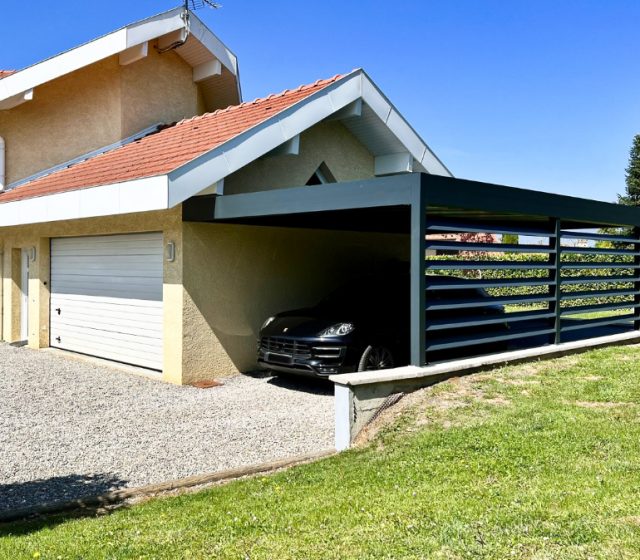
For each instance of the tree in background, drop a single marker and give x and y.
(632, 196)
(510, 238)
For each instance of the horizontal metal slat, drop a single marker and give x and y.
(597, 293)
(486, 302)
(566, 311)
(590, 323)
(507, 318)
(596, 279)
(484, 265)
(468, 227)
(457, 342)
(489, 247)
(499, 283)
(599, 237)
(612, 265)
(597, 251)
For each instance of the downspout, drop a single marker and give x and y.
(2, 164)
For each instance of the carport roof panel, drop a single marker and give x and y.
(445, 196)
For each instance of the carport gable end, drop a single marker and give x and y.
(333, 101)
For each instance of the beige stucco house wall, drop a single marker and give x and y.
(329, 142)
(95, 107)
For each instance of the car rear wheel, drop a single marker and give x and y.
(376, 357)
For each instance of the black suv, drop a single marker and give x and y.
(364, 325)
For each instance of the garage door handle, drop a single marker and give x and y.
(58, 340)
(58, 310)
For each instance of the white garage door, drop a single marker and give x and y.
(106, 297)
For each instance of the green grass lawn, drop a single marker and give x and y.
(537, 461)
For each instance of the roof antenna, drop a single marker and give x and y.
(194, 5)
(189, 5)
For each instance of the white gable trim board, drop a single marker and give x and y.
(106, 297)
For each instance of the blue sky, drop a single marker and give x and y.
(542, 95)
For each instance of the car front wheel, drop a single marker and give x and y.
(376, 357)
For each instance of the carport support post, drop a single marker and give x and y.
(554, 277)
(636, 284)
(418, 251)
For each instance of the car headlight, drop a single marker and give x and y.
(339, 329)
(267, 323)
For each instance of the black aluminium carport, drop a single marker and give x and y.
(430, 208)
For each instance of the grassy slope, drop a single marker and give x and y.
(533, 461)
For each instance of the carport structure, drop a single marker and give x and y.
(568, 282)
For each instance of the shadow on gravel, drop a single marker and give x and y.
(313, 385)
(50, 494)
(305, 384)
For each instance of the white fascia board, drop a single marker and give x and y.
(209, 168)
(401, 129)
(89, 53)
(154, 27)
(214, 45)
(141, 195)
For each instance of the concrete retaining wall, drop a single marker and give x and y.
(359, 396)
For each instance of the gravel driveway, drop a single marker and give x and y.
(69, 428)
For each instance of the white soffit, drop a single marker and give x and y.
(381, 128)
(202, 44)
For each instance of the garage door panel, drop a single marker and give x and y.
(123, 355)
(114, 288)
(124, 261)
(107, 247)
(118, 340)
(146, 315)
(110, 324)
(113, 292)
(138, 261)
(137, 305)
(106, 297)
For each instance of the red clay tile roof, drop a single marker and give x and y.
(169, 148)
(5, 73)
